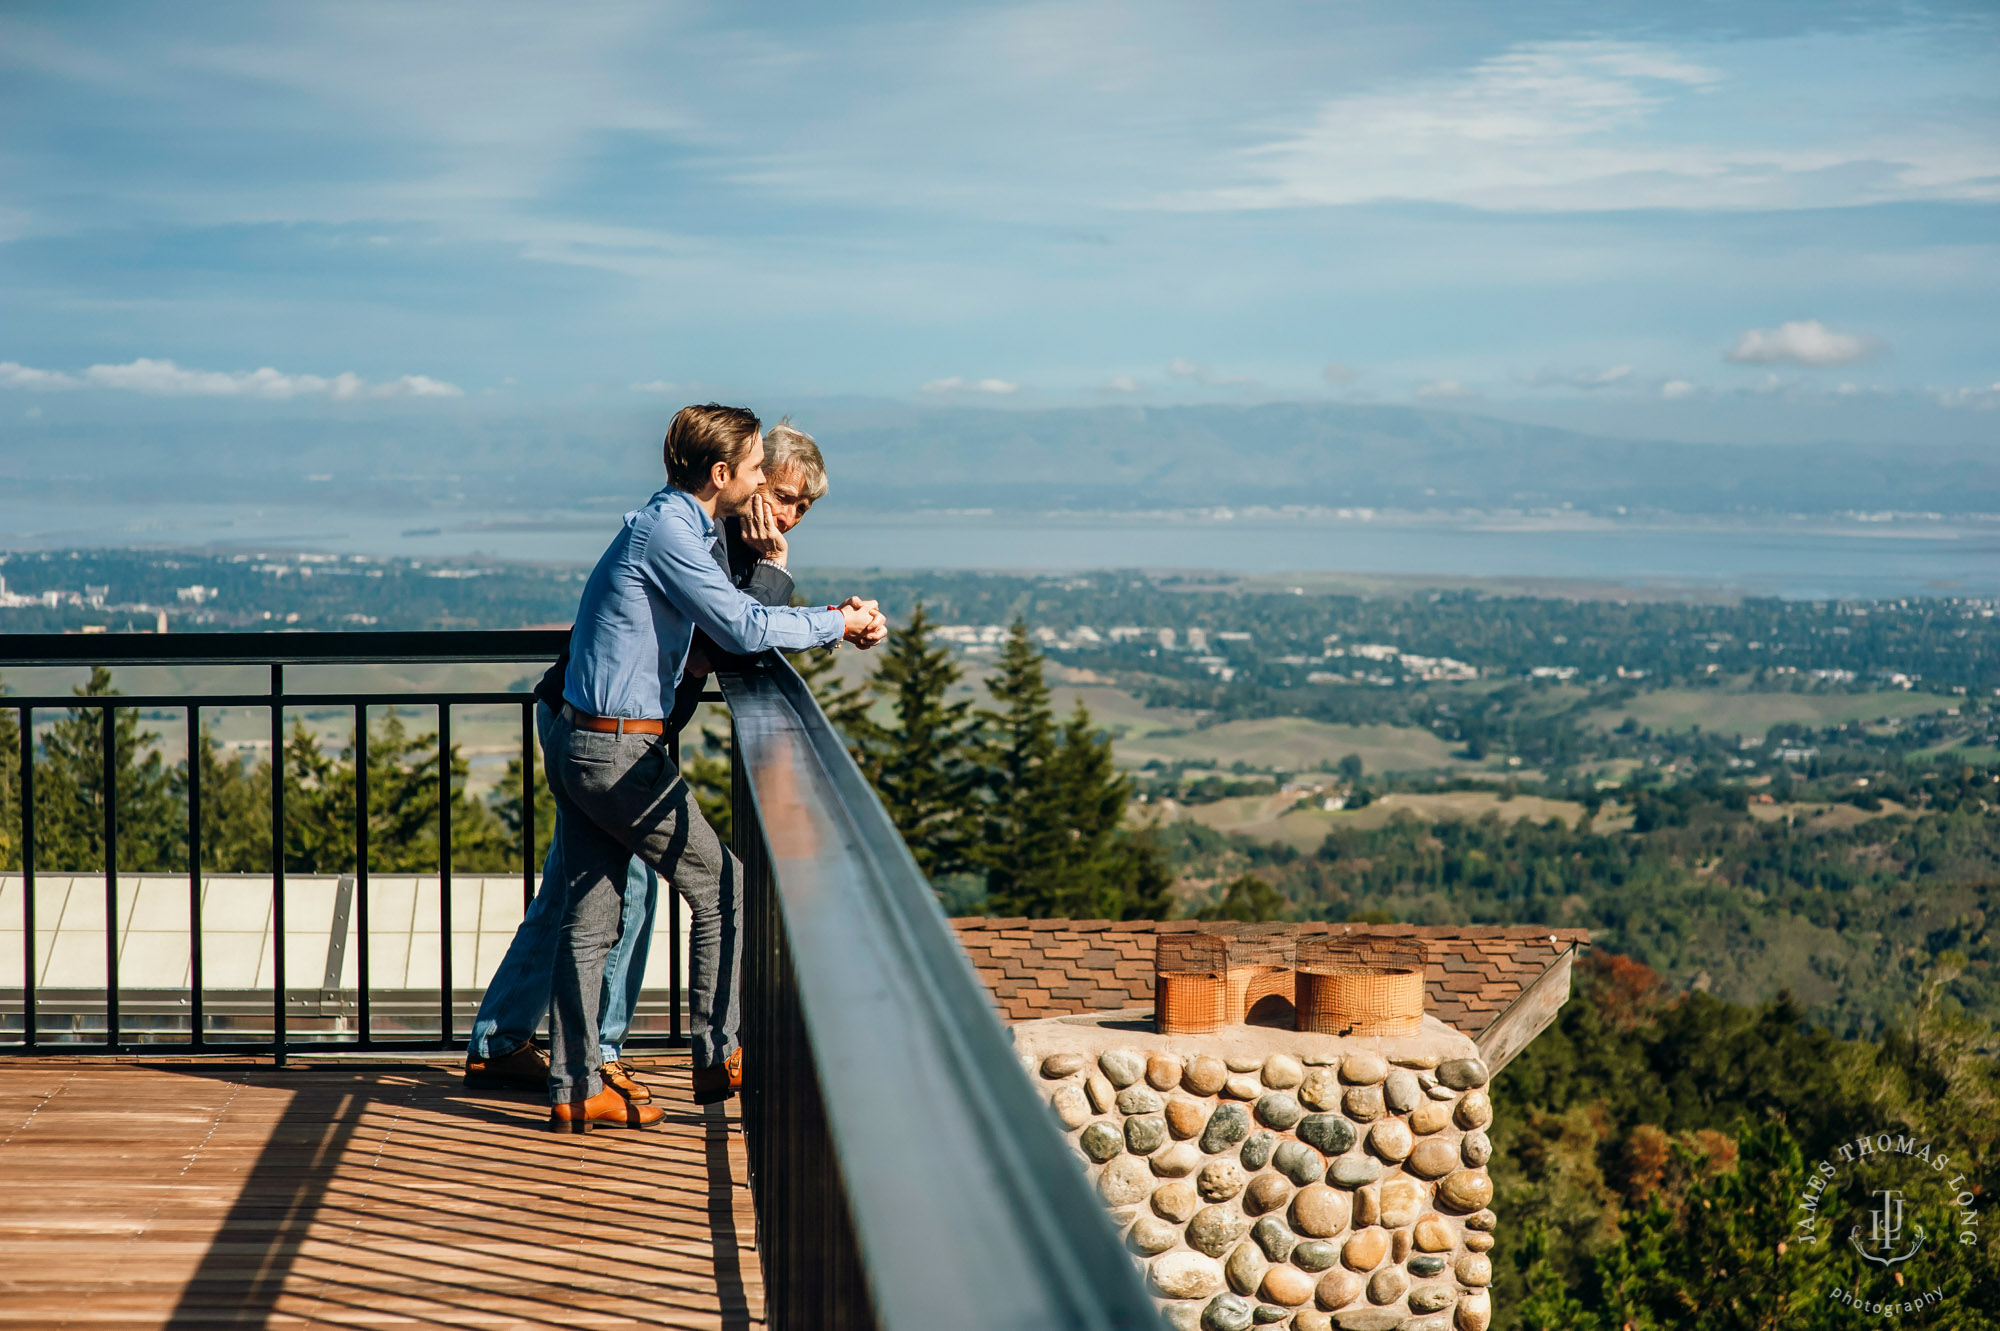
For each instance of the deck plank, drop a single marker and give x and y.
(137, 1196)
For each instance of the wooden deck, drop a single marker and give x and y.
(342, 1193)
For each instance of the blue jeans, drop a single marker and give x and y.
(518, 997)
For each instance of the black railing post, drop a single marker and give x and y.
(109, 720)
(675, 1032)
(28, 976)
(361, 815)
(196, 751)
(444, 873)
(528, 805)
(277, 864)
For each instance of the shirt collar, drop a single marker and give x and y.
(701, 516)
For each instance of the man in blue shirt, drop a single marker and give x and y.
(616, 793)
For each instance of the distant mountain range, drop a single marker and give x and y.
(959, 457)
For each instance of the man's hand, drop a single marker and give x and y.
(760, 531)
(866, 626)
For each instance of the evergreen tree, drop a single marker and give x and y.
(1247, 898)
(69, 792)
(10, 789)
(1024, 837)
(235, 809)
(921, 765)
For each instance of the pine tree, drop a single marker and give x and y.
(922, 766)
(69, 791)
(1024, 838)
(10, 789)
(235, 810)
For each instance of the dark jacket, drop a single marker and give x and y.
(765, 583)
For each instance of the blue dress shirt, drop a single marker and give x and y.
(654, 586)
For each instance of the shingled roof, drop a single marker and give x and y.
(1054, 968)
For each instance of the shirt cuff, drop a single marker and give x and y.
(832, 625)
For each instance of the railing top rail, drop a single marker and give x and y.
(283, 648)
(969, 1210)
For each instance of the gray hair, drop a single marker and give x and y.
(791, 450)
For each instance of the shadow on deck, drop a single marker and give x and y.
(341, 1193)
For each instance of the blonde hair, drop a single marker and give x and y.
(791, 450)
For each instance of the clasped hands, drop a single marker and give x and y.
(865, 624)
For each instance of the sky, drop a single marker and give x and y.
(1748, 222)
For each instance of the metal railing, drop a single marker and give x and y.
(274, 652)
(905, 1173)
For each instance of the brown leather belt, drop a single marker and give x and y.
(613, 725)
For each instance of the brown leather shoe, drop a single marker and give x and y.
(523, 1069)
(619, 1077)
(718, 1083)
(606, 1109)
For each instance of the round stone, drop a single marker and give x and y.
(1145, 1133)
(1163, 1071)
(1365, 1249)
(1399, 1245)
(1176, 1201)
(1315, 1255)
(1122, 1067)
(1400, 1091)
(1462, 1074)
(1430, 1298)
(1185, 1275)
(1362, 1068)
(1288, 1286)
(1124, 1181)
(1245, 1268)
(1426, 1264)
(1329, 1133)
(1203, 1075)
(1480, 1220)
(1177, 1161)
(1476, 1149)
(1402, 1201)
(1429, 1117)
(1475, 1269)
(1219, 1180)
(1363, 1103)
(1185, 1117)
(1271, 1235)
(1102, 1094)
(1256, 1152)
(1267, 1315)
(1311, 1321)
(1321, 1089)
(1244, 1062)
(1227, 1312)
(1215, 1229)
(1243, 1086)
(1278, 1110)
(1428, 1079)
(1282, 1072)
(1071, 1108)
(1367, 1207)
(1421, 1062)
(1351, 1171)
(1391, 1139)
(1476, 1241)
(1320, 1212)
(1182, 1316)
(1441, 1093)
(1387, 1285)
(1228, 1125)
(1101, 1141)
(1465, 1190)
(1337, 1289)
(1139, 1100)
(1432, 1235)
(1475, 1110)
(1062, 1065)
(1299, 1162)
(1267, 1192)
(1150, 1235)
(1434, 1157)
(1475, 1312)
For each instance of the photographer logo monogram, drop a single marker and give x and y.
(1870, 1194)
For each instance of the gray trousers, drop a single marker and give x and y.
(618, 796)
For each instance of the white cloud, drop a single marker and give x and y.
(1444, 390)
(1675, 389)
(1609, 377)
(1337, 373)
(1120, 383)
(651, 386)
(1800, 342)
(1978, 398)
(1593, 125)
(955, 384)
(163, 378)
(13, 375)
(1182, 368)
